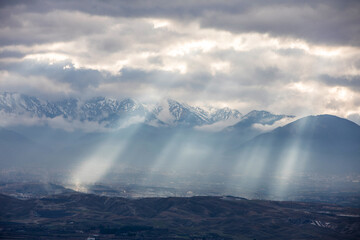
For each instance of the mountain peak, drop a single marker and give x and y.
(186, 115)
(261, 117)
(109, 111)
(322, 124)
(328, 142)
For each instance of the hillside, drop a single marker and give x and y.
(78, 215)
(324, 143)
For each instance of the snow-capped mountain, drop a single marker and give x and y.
(103, 109)
(257, 122)
(100, 109)
(112, 112)
(261, 117)
(224, 114)
(21, 104)
(173, 113)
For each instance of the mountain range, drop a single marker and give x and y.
(170, 137)
(112, 113)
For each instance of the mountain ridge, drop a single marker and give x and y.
(330, 143)
(113, 113)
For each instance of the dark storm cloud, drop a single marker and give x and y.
(320, 21)
(352, 82)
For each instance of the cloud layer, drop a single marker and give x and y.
(283, 56)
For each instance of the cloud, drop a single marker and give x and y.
(12, 119)
(352, 82)
(11, 54)
(62, 72)
(33, 85)
(131, 121)
(218, 126)
(313, 21)
(269, 127)
(355, 117)
(274, 55)
(56, 26)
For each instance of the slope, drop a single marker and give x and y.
(324, 143)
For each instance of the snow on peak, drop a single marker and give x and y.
(112, 112)
(170, 112)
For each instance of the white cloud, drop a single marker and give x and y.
(355, 117)
(12, 81)
(269, 127)
(218, 126)
(12, 119)
(131, 121)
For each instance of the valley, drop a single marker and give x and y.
(145, 173)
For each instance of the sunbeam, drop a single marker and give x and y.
(179, 119)
(95, 166)
(291, 161)
(106, 157)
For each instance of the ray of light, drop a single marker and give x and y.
(292, 161)
(95, 166)
(103, 158)
(249, 171)
(191, 157)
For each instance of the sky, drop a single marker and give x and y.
(290, 57)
